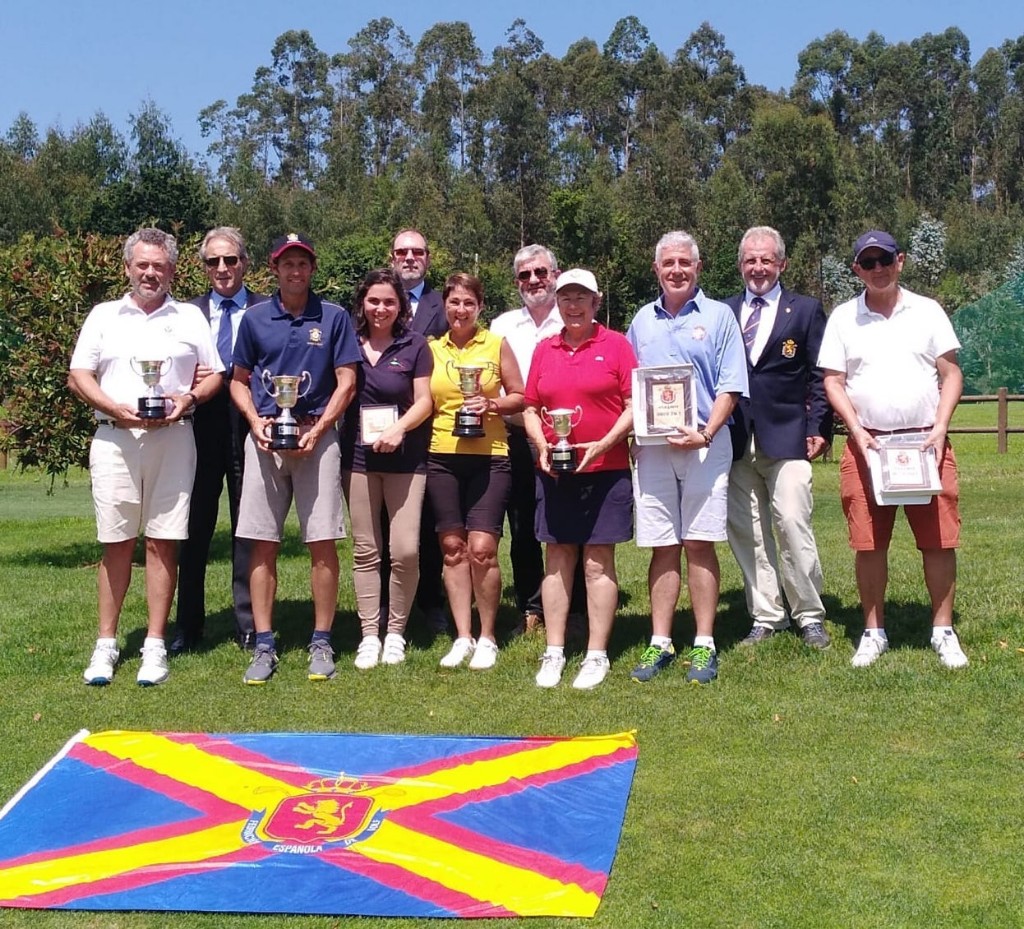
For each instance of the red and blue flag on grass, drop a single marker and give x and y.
(319, 823)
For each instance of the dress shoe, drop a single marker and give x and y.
(184, 642)
(246, 641)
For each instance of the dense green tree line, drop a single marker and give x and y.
(596, 152)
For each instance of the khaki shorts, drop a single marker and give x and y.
(682, 495)
(935, 524)
(142, 481)
(271, 481)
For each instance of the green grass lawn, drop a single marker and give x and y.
(796, 791)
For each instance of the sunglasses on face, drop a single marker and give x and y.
(416, 252)
(885, 260)
(229, 260)
(541, 274)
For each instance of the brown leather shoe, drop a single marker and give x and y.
(532, 622)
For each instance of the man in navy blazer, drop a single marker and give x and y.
(220, 435)
(776, 433)
(410, 259)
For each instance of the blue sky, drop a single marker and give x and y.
(63, 60)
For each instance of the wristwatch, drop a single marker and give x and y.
(706, 436)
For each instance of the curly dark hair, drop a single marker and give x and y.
(381, 276)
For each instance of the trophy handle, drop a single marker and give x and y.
(577, 417)
(268, 383)
(544, 418)
(308, 379)
(163, 370)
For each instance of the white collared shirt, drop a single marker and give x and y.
(768, 313)
(523, 336)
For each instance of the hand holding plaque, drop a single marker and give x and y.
(286, 389)
(664, 402)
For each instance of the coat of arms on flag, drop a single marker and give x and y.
(319, 823)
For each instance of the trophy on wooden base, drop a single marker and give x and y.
(562, 422)
(154, 404)
(286, 389)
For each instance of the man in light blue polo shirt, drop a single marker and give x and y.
(680, 487)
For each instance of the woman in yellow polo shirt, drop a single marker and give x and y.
(468, 472)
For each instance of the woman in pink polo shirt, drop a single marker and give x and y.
(586, 370)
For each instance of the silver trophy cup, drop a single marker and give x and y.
(154, 404)
(562, 422)
(287, 390)
(468, 423)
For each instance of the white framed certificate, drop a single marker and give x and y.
(374, 419)
(902, 470)
(664, 399)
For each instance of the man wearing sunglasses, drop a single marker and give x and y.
(410, 260)
(220, 434)
(891, 367)
(536, 272)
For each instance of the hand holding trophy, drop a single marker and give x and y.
(562, 422)
(287, 390)
(469, 423)
(154, 404)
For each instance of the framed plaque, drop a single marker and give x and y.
(664, 398)
(374, 419)
(903, 471)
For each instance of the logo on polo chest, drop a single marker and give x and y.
(316, 336)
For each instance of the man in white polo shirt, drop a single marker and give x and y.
(890, 367)
(141, 468)
(536, 270)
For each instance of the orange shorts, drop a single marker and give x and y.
(935, 524)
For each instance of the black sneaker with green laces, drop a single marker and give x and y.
(654, 660)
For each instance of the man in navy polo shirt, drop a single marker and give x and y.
(293, 333)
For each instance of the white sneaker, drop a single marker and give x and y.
(593, 670)
(101, 665)
(394, 649)
(368, 653)
(461, 649)
(947, 647)
(485, 656)
(153, 669)
(869, 650)
(551, 668)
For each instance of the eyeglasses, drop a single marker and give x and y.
(416, 252)
(885, 260)
(541, 274)
(229, 260)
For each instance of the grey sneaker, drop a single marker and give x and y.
(815, 636)
(321, 661)
(758, 634)
(262, 666)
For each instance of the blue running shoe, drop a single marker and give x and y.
(654, 659)
(703, 665)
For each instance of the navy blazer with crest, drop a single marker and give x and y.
(787, 401)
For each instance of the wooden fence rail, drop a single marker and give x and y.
(1003, 398)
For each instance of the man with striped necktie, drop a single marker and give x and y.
(777, 431)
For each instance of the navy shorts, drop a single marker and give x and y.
(594, 508)
(469, 491)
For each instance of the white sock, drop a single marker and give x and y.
(108, 643)
(596, 653)
(704, 641)
(153, 641)
(555, 650)
(876, 634)
(940, 632)
(661, 641)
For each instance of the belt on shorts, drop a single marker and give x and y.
(116, 425)
(898, 431)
